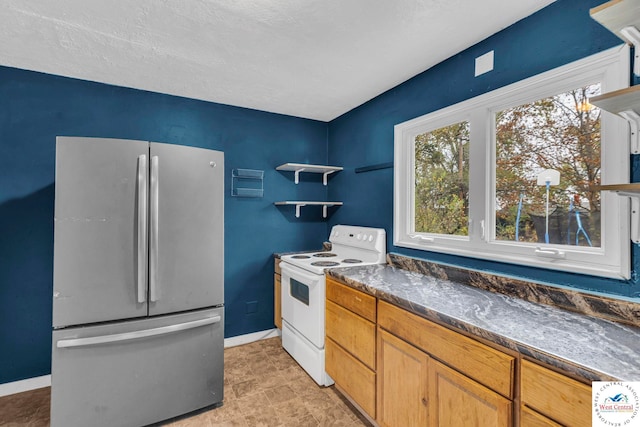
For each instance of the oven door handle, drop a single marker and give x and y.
(296, 272)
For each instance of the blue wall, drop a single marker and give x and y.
(35, 108)
(561, 33)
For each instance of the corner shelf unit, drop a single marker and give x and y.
(297, 168)
(301, 167)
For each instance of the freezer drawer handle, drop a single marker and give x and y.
(128, 336)
(142, 229)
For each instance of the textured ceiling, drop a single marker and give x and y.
(309, 58)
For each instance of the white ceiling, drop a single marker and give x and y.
(308, 58)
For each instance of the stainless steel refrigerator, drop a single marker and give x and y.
(138, 316)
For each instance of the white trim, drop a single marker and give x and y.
(612, 259)
(249, 338)
(25, 385)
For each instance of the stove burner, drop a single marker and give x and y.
(300, 256)
(325, 255)
(325, 263)
(352, 261)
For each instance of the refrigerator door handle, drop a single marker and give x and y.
(153, 238)
(128, 336)
(142, 229)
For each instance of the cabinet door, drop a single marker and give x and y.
(463, 402)
(402, 383)
(358, 381)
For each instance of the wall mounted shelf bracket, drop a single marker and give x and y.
(635, 214)
(324, 178)
(634, 123)
(632, 191)
(296, 175)
(632, 35)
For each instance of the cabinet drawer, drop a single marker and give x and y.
(354, 333)
(352, 299)
(474, 359)
(530, 418)
(554, 395)
(358, 381)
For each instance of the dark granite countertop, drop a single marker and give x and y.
(587, 347)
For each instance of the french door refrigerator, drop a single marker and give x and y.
(138, 296)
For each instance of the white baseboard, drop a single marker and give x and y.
(249, 338)
(45, 380)
(25, 385)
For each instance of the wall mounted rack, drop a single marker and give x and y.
(247, 183)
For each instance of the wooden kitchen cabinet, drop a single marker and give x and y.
(402, 389)
(548, 396)
(350, 344)
(470, 383)
(277, 295)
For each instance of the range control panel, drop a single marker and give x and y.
(359, 237)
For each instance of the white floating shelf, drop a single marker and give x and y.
(627, 99)
(626, 104)
(620, 188)
(633, 192)
(298, 204)
(622, 18)
(302, 167)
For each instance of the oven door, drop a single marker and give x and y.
(303, 296)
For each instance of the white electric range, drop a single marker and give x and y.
(303, 291)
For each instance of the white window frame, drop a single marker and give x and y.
(611, 259)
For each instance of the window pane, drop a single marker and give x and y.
(442, 180)
(561, 133)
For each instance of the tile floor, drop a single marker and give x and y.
(264, 386)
